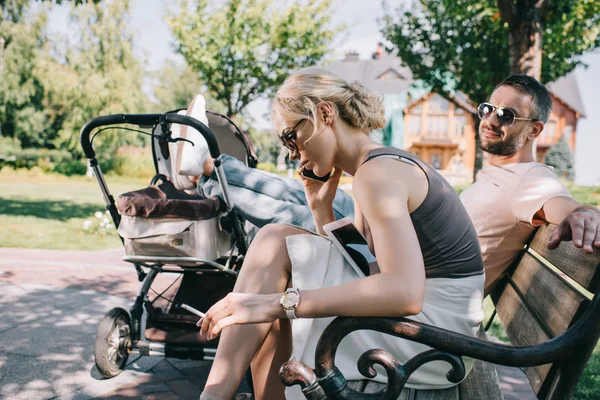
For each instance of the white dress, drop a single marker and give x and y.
(453, 304)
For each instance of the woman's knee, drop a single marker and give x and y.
(277, 233)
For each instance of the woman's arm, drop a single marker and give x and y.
(319, 196)
(400, 287)
(383, 191)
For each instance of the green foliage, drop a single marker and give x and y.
(21, 92)
(8, 3)
(561, 158)
(245, 49)
(266, 146)
(588, 195)
(49, 87)
(464, 44)
(176, 86)
(71, 167)
(267, 166)
(132, 163)
(98, 75)
(587, 387)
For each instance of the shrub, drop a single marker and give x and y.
(133, 162)
(71, 167)
(267, 166)
(561, 158)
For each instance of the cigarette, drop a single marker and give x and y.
(193, 310)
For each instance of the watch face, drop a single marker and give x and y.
(290, 300)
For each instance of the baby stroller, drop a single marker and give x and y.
(168, 230)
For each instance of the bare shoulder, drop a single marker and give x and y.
(383, 170)
(390, 177)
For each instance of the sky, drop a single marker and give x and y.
(156, 43)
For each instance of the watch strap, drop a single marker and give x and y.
(291, 313)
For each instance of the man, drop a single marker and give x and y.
(513, 194)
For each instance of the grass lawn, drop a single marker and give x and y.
(49, 211)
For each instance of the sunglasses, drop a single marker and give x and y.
(506, 116)
(288, 137)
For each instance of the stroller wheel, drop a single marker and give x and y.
(113, 342)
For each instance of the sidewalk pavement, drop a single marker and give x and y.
(51, 303)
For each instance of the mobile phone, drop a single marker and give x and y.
(353, 246)
(193, 310)
(308, 173)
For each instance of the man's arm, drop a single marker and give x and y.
(576, 222)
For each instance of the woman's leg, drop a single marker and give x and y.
(266, 269)
(276, 349)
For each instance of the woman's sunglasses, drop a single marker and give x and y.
(288, 137)
(506, 116)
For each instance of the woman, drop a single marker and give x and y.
(426, 247)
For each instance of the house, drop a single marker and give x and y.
(440, 129)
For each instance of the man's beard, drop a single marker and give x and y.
(504, 147)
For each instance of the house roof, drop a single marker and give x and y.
(386, 75)
(458, 98)
(567, 90)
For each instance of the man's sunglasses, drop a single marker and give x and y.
(288, 137)
(506, 116)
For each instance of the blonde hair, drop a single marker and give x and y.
(301, 93)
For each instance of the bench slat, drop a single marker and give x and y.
(549, 296)
(445, 394)
(482, 383)
(374, 387)
(442, 394)
(522, 330)
(569, 259)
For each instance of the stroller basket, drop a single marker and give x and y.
(163, 221)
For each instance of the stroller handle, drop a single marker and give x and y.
(145, 120)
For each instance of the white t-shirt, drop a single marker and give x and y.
(502, 204)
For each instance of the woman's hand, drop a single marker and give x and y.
(320, 195)
(240, 308)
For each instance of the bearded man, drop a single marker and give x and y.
(513, 194)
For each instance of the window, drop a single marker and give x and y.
(436, 161)
(415, 124)
(568, 133)
(549, 131)
(437, 126)
(438, 104)
(460, 124)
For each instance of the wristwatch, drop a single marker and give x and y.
(289, 301)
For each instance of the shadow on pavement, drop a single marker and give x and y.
(47, 339)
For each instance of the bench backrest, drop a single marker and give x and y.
(540, 297)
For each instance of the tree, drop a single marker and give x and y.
(561, 158)
(21, 92)
(176, 86)
(244, 49)
(97, 75)
(471, 45)
(18, 3)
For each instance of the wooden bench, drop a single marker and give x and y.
(548, 304)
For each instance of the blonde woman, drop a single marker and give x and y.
(426, 247)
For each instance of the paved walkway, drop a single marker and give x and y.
(51, 302)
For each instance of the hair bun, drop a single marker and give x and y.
(366, 110)
(300, 94)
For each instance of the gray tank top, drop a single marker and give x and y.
(447, 237)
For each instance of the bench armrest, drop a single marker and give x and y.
(326, 381)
